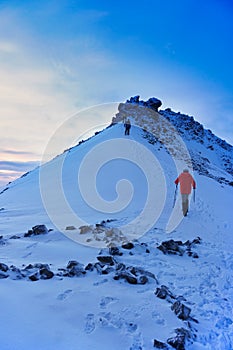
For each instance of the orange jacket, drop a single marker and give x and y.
(186, 181)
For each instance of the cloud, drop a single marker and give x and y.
(7, 47)
(17, 166)
(14, 152)
(10, 170)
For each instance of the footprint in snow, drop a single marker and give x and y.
(137, 343)
(64, 295)
(105, 301)
(27, 255)
(101, 282)
(33, 245)
(90, 324)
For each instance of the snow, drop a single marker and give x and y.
(95, 311)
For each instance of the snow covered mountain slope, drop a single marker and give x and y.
(113, 294)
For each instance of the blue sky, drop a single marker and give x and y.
(57, 57)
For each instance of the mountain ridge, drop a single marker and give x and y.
(188, 128)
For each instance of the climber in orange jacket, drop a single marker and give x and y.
(186, 184)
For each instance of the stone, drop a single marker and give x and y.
(15, 237)
(178, 342)
(107, 259)
(70, 228)
(99, 268)
(39, 230)
(134, 99)
(142, 280)
(172, 247)
(46, 274)
(153, 103)
(130, 278)
(75, 269)
(181, 311)
(85, 229)
(89, 267)
(115, 251)
(128, 245)
(159, 345)
(34, 277)
(3, 267)
(164, 293)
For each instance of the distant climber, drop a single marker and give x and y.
(127, 126)
(186, 184)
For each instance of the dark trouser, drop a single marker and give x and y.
(127, 130)
(185, 203)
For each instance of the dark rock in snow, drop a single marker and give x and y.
(89, 267)
(129, 277)
(132, 274)
(134, 99)
(36, 266)
(172, 247)
(142, 279)
(163, 292)
(37, 230)
(182, 311)
(74, 268)
(128, 245)
(106, 260)
(179, 248)
(120, 267)
(178, 342)
(3, 267)
(115, 251)
(34, 277)
(159, 345)
(99, 267)
(46, 274)
(15, 237)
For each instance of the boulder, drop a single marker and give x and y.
(163, 292)
(153, 103)
(46, 274)
(85, 229)
(182, 311)
(37, 230)
(128, 245)
(172, 247)
(134, 99)
(107, 259)
(159, 345)
(34, 277)
(179, 340)
(3, 267)
(70, 228)
(115, 251)
(74, 268)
